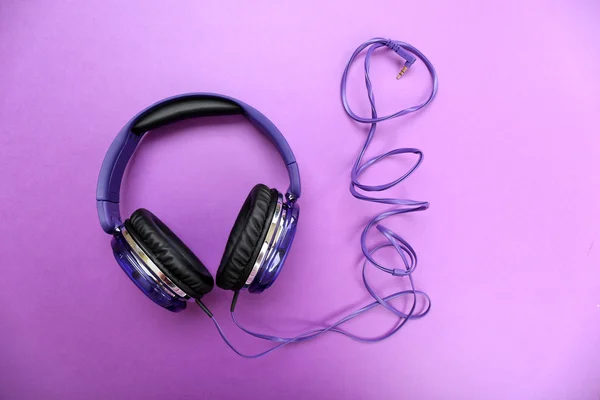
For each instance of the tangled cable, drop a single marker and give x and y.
(401, 206)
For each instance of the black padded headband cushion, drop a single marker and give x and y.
(246, 237)
(169, 253)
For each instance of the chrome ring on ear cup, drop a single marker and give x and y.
(274, 227)
(275, 247)
(152, 269)
(143, 278)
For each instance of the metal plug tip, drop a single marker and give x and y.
(402, 71)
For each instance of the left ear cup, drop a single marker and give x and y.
(246, 237)
(169, 253)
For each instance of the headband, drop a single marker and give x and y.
(167, 111)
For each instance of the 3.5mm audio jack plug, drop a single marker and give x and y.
(409, 58)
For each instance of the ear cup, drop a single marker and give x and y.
(169, 253)
(246, 237)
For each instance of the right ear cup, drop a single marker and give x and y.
(169, 253)
(246, 237)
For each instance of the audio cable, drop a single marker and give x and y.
(400, 206)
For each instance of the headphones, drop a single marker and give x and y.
(154, 258)
(165, 269)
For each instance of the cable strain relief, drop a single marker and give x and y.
(234, 301)
(204, 308)
(393, 45)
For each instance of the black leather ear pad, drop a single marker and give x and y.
(246, 237)
(169, 253)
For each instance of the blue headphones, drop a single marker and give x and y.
(169, 273)
(155, 259)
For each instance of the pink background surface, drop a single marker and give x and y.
(509, 251)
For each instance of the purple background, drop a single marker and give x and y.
(509, 250)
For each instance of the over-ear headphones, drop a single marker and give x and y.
(155, 259)
(169, 273)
